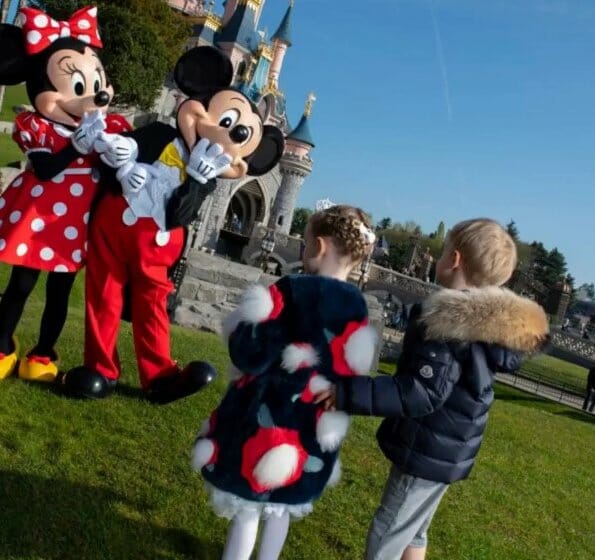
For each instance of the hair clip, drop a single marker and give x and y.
(368, 235)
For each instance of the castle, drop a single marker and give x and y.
(236, 217)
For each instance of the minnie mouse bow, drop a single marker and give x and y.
(40, 30)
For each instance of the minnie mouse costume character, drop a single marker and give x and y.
(45, 210)
(139, 233)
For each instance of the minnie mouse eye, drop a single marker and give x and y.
(229, 118)
(78, 83)
(96, 81)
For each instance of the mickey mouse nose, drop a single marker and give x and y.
(102, 98)
(239, 134)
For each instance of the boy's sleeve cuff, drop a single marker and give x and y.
(340, 394)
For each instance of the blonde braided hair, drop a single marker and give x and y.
(348, 227)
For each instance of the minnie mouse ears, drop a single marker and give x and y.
(13, 68)
(201, 70)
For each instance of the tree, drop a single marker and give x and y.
(588, 290)
(300, 219)
(512, 230)
(383, 224)
(440, 232)
(142, 40)
(548, 266)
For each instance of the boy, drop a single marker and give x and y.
(436, 407)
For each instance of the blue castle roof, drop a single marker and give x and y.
(241, 28)
(283, 33)
(301, 132)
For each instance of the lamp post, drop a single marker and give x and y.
(267, 247)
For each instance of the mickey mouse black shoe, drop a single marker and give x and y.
(85, 383)
(194, 377)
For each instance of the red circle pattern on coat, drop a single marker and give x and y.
(337, 346)
(43, 224)
(264, 440)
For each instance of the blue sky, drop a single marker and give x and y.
(451, 109)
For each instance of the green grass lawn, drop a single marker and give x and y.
(111, 480)
(9, 151)
(14, 95)
(557, 372)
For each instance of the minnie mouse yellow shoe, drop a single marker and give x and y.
(38, 368)
(8, 362)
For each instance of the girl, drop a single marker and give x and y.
(268, 451)
(45, 211)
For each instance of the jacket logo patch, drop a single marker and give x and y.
(426, 372)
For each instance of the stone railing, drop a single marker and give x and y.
(406, 288)
(287, 247)
(584, 349)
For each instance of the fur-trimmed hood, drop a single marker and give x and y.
(491, 315)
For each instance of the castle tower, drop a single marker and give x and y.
(238, 37)
(281, 42)
(230, 6)
(295, 166)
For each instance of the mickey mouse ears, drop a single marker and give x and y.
(201, 70)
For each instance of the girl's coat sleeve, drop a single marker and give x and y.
(256, 331)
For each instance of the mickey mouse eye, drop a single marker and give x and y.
(96, 81)
(229, 118)
(78, 83)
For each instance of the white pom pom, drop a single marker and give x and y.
(331, 430)
(277, 466)
(203, 453)
(318, 384)
(297, 356)
(256, 304)
(360, 348)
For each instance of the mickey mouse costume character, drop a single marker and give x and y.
(45, 210)
(139, 233)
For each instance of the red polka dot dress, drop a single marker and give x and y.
(43, 224)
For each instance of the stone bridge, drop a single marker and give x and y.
(573, 349)
(411, 290)
(212, 287)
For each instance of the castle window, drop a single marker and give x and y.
(280, 220)
(241, 69)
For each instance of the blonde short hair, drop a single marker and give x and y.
(488, 252)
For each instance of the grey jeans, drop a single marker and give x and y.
(404, 515)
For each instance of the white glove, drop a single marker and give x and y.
(92, 125)
(115, 150)
(134, 176)
(207, 161)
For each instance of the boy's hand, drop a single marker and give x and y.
(328, 398)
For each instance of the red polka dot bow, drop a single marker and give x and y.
(41, 30)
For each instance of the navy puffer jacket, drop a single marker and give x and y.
(436, 406)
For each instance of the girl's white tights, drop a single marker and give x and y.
(241, 537)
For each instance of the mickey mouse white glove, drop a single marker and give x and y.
(207, 161)
(84, 137)
(116, 150)
(134, 176)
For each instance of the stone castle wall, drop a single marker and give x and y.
(212, 288)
